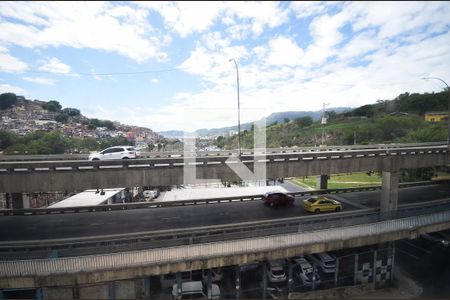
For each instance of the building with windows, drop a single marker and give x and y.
(439, 116)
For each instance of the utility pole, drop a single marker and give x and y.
(239, 109)
(324, 121)
(448, 121)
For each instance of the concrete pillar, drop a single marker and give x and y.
(290, 277)
(264, 280)
(209, 289)
(336, 273)
(238, 282)
(313, 282)
(178, 279)
(322, 182)
(20, 200)
(389, 191)
(374, 269)
(144, 288)
(112, 291)
(393, 262)
(355, 270)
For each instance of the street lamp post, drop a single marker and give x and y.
(239, 109)
(324, 121)
(448, 121)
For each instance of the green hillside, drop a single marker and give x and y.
(387, 121)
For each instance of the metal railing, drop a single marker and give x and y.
(159, 204)
(206, 250)
(176, 154)
(205, 161)
(208, 234)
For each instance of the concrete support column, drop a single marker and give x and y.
(20, 200)
(238, 282)
(178, 279)
(209, 284)
(374, 270)
(393, 262)
(322, 182)
(389, 191)
(264, 280)
(313, 282)
(112, 291)
(145, 288)
(336, 273)
(355, 270)
(290, 277)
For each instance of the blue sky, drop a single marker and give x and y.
(165, 65)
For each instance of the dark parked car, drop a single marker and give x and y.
(277, 198)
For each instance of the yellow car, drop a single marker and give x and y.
(321, 204)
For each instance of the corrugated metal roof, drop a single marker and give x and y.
(211, 193)
(87, 198)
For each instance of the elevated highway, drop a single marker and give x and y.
(135, 243)
(44, 176)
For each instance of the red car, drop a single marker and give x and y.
(277, 198)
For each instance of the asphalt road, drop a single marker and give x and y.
(36, 227)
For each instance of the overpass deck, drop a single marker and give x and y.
(97, 268)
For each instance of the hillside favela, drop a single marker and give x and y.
(225, 150)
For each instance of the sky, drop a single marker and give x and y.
(166, 65)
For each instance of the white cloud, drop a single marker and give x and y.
(54, 65)
(40, 80)
(7, 88)
(155, 80)
(284, 51)
(304, 9)
(186, 18)
(95, 25)
(9, 63)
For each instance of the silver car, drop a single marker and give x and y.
(305, 271)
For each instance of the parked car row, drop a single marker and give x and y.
(315, 204)
(194, 284)
(276, 270)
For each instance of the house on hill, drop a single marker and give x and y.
(437, 116)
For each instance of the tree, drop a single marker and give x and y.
(71, 111)
(62, 118)
(52, 106)
(286, 120)
(7, 100)
(220, 142)
(7, 139)
(303, 121)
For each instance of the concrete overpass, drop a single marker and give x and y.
(45, 176)
(371, 229)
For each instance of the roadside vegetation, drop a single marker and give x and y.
(388, 121)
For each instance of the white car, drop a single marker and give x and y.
(305, 271)
(116, 152)
(326, 261)
(275, 271)
(195, 290)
